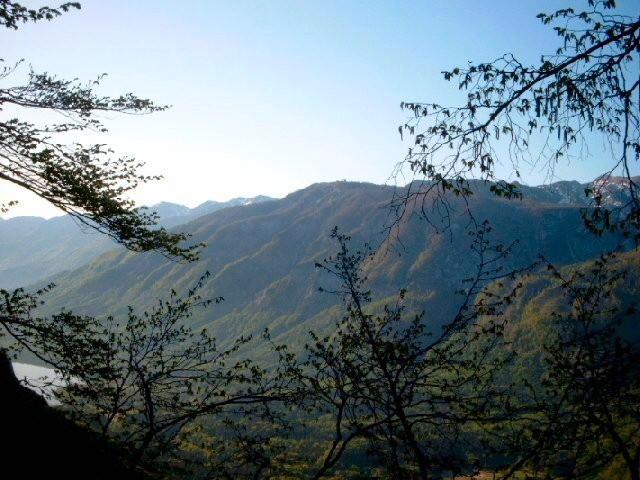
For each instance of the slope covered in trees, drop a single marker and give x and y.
(33, 248)
(262, 257)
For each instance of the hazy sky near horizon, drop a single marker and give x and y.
(269, 97)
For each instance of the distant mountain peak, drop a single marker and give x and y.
(172, 212)
(211, 206)
(169, 209)
(614, 191)
(33, 248)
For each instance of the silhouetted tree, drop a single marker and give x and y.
(411, 392)
(85, 181)
(159, 378)
(143, 381)
(583, 417)
(522, 115)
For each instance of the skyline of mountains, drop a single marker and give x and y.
(34, 248)
(172, 214)
(561, 191)
(167, 210)
(261, 258)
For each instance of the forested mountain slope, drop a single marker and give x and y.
(261, 257)
(34, 248)
(532, 324)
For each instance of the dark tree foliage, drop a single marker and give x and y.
(85, 181)
(145, 381)
(411, 392)
(536, 115)
(148, 383)
(160, 378)
(69, 343)
(584, 416)
(12, 14)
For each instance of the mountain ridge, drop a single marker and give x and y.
(34, 248)
(261, 258)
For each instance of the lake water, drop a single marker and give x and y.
(41, 380)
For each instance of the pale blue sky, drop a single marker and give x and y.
(269, 97)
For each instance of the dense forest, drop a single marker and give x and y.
(458, 325)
